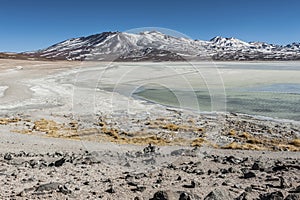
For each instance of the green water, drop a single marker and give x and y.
(276, 101)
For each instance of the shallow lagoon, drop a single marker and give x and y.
(265, 89)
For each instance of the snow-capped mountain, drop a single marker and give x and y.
(156, 46)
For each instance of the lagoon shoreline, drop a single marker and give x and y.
(53, 147)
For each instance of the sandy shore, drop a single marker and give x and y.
(70, 130)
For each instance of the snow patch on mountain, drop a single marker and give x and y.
(155, 45)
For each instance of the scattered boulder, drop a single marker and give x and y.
(58, 163)
(295, 190)
(219, 194)
(192, 185)
(257, 165)
(243, 196)
(150, 161)
(110, 190)
(150, 149)
(160, 195)
(272, 196)
(249, 175)
(63, 189)
(295, 196)
(8, 156)
(48, 187)
(185, 196)
(139, 188)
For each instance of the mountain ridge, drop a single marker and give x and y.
(157, 46)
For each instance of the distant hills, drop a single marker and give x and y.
(156, 46)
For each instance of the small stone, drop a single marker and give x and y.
(150, 161)
(59, 162)
(249, 175)
(272, 196)
(296, 190)
(8, 156)
(283, 183)
(86, 183)
(110, 190)
(59, 153)
(243, 196)
(63, 189)
(184, 196)
(218, 194)
(178, 152)
(131, 183)
(192, 185)
(293, 197)
(255, 166)
(248, 189)
(222, 176)
(160, 195)
(48, 187)
(22, 194)
(149, 149)
(139, 189)
(33, 163)
(198, 172)
(127, 165)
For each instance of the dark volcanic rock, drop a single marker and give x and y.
(293, 197)
(249, 175)
(139, 189)
(192, 185)
(48, 187)
(243, 196)
(219, 194)
(58, 163)
(160, 195)
(110, 190)
(185, 196)
(296, 190)
(8, 156)
(258, 166)
(272, 196)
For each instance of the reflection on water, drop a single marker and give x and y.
(276, 100)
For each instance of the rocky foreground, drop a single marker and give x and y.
(179, 156)
(151, 173)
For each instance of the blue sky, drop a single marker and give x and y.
(34, 24)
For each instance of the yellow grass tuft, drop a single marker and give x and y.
(232, 132)
(254, 141)
(47, 126)
(198, 142)
(5, 121)
(232, 145)
(245, 135)
(295, 142)
(111, 132)
(170, 127)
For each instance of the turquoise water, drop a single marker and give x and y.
(273, 100)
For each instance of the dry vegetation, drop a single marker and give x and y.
(104, 131)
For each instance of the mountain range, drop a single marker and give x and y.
(156, 46)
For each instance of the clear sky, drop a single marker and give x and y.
(34, 24)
